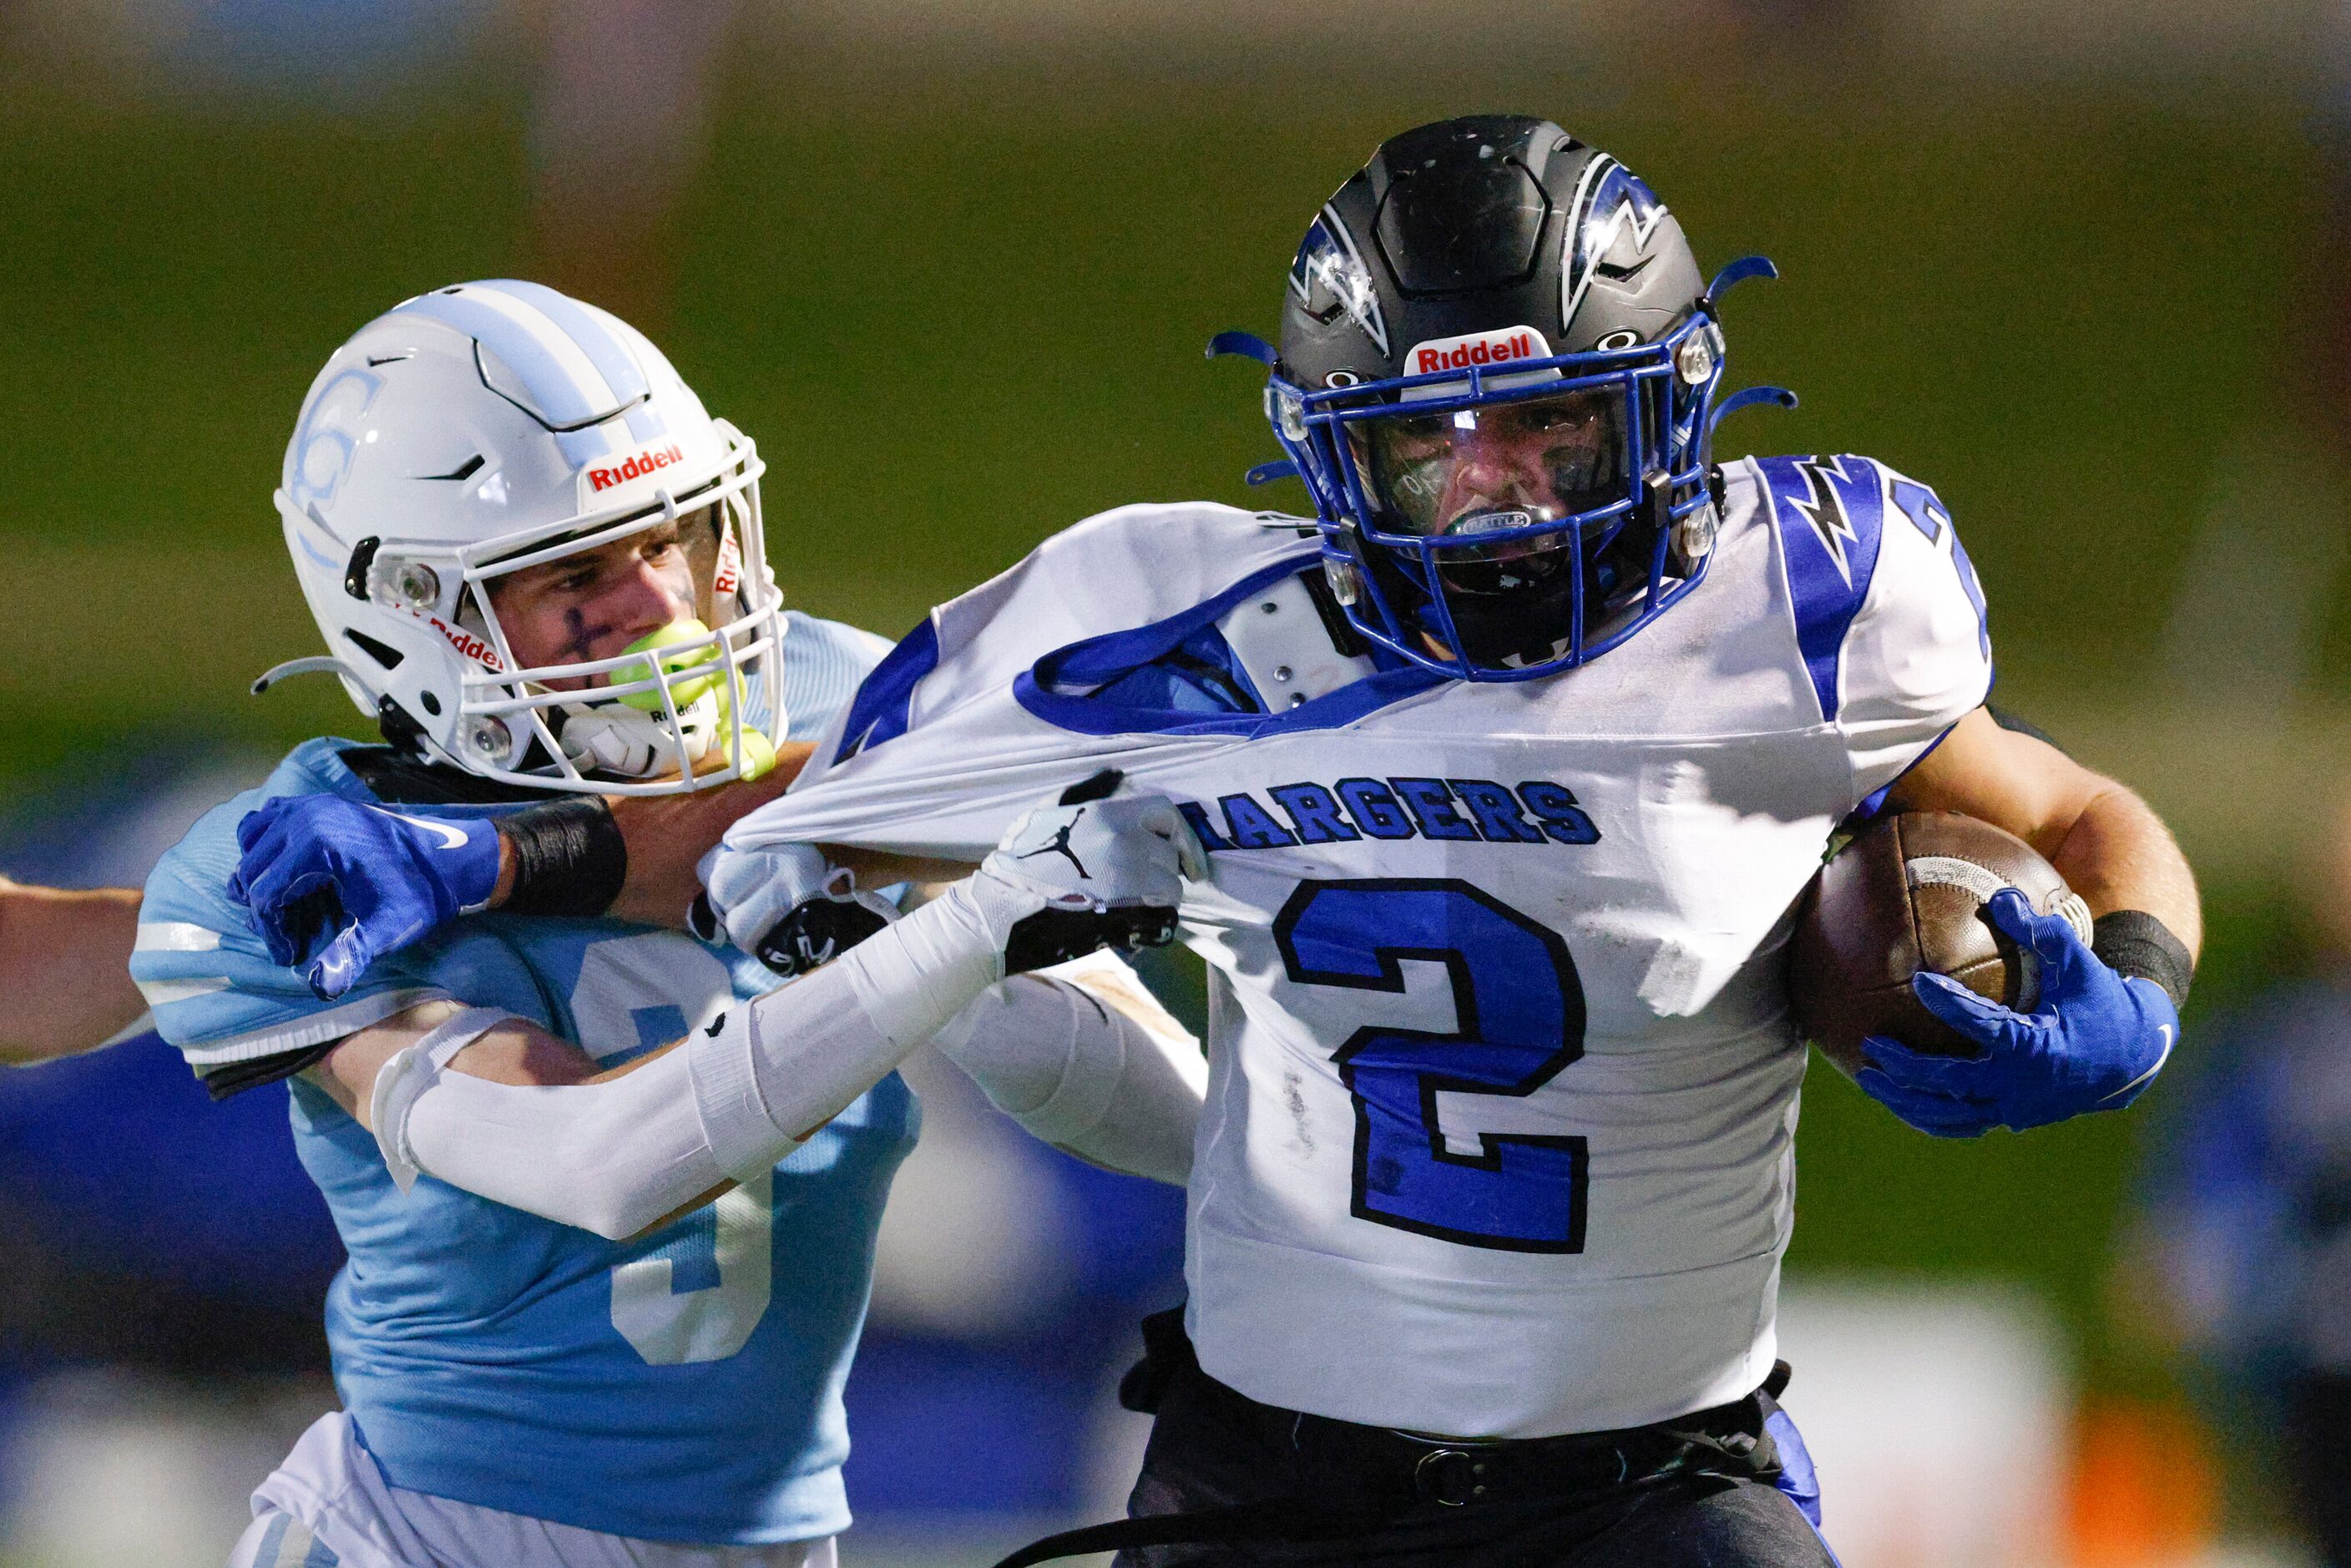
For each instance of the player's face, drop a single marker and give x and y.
(1461, 473)
(597, 604)
(1471, 470)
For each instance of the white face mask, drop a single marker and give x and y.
(674, 703)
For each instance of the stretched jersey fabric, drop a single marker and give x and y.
(1499, 1133)
(681, 1386)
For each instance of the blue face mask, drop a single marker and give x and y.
(1507, 522)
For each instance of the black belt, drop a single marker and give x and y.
(1356, 1476)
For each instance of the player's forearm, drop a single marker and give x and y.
(2112, 851)
(1153, 1114)
(644, 868)
(479, 1089)
(65, 982)
(624, 1150)
(667, 835)
(1085, 1058)
(2117, 854)
(619, 1153)
(511, 1051)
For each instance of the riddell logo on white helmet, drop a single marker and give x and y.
(466, 642)
(636, 466)
(729, 575)
(1507, 346)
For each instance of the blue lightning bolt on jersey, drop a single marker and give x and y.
(681, 1386)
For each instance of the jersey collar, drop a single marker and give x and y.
(1059, 688)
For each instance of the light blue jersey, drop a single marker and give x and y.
(681, 1386)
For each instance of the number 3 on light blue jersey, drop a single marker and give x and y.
(700, 1293)
(1519, 1019)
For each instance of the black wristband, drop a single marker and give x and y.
(569, 859)
(2133, 942)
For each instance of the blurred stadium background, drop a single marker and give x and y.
(2081, 267)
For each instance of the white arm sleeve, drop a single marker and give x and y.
(615, 1156)
(608, 1157)
(1085, 1058)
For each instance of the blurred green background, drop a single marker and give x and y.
(961, 302)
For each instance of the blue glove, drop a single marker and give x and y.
(331, 884)
(2095, 1041)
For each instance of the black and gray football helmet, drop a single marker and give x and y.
(1497, 376)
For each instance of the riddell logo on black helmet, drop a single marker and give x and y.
(1504, 347)
(635, 467)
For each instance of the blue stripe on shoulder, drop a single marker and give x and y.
(885, 699)
(321, 1555)
(1830, 514)
(269, 1548)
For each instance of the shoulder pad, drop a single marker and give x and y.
(1284, 644)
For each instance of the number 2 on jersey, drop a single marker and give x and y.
(1519, 1019)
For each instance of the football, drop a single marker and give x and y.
(1908, 894)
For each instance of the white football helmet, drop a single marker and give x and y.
(482, 429)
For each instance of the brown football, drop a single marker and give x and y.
(1906, 894)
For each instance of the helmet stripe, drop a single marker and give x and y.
(556, 372)
(560, 377)
(1591, 231)
(604, 348)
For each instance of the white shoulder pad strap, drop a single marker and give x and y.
(1277, 636)
(399, 1082)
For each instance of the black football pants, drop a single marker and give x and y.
(1696, 1493)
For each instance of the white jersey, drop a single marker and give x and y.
(1498, 1133)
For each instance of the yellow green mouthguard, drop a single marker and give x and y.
(759, 752)
(685, 693)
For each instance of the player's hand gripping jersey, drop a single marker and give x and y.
(682, 1385)
(1498, 1132)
